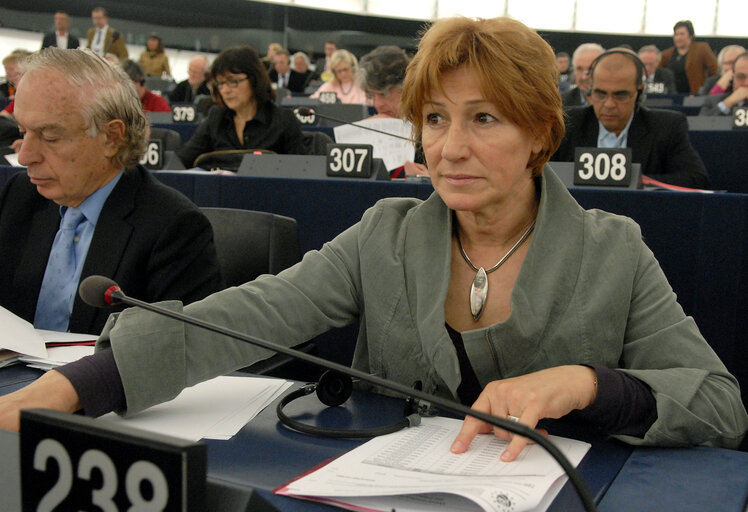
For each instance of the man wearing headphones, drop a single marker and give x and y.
(658, 138)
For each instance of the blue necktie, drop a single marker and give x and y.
(56, 296)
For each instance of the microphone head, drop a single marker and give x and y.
(96, 291)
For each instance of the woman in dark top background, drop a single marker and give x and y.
(248, 119)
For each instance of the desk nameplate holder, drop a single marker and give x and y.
(76, 462)
(740, 118)
(602, 167)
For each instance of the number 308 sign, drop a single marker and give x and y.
(602, 167)
(75, 463)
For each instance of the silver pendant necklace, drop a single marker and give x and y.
(479, 288)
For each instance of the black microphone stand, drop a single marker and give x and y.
(447, 405)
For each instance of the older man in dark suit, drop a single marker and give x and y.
(81, 209)
(658, 138)
(283, 76)
(581, 60)
(61, 37)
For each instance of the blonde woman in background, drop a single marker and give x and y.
(344, 66)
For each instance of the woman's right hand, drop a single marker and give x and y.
(50, 391)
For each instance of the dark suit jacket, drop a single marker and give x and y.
(51, 40)
(571, 98)
(700, 63)
(296, 81)
(664, 76)
(149, 238)
(113, 43)
(658, 140)
(183, 92)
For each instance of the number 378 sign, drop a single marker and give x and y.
(602, 167)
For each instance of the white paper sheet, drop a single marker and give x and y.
(413, 470)
(20, 336)
(215, 409)
(12, 159)
(393, 151)
(57, 356)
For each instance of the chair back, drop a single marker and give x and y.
(251, 243)
(316, 143)
(170, 139)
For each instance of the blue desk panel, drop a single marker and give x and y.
(653, 480)
(725, 155)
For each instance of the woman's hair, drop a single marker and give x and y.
(244, 60)
(685, 24)
(303, 56)
(516, 71)
(382, 69)
(160, 47)
(343, 57)
(134, 70)
(106, 93)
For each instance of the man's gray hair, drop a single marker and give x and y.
(584, 48)
(303, 56)
(730, 47)
(105, 91)
(650, 48)
(382, 69)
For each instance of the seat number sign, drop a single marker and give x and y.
(183, 113)
(349, 160)
(153, 157)
(74, 463)
(607, 167)
(740, 118)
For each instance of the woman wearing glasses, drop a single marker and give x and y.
(248, 118)
(344, 66)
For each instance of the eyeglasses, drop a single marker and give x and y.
(232, 84)
(341, 70)
(618, 96)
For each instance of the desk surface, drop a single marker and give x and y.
(264, 455)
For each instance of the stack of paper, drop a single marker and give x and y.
(414, 471)
(42, 349)
(214, 409)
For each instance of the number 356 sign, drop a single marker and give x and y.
(75, 463)
(602, 167)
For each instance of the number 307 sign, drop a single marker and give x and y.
(75, 463)
(607, 167)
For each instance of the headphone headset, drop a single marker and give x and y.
(334, 389)
(641, 71)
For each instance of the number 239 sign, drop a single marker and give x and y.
(75, 463)
(602, 167)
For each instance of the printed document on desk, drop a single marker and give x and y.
(414, 471)
(214, 409)
(392, 150)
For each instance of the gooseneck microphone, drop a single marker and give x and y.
(100, 291)
(304, 111)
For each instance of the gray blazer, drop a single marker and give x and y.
(589, 291)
